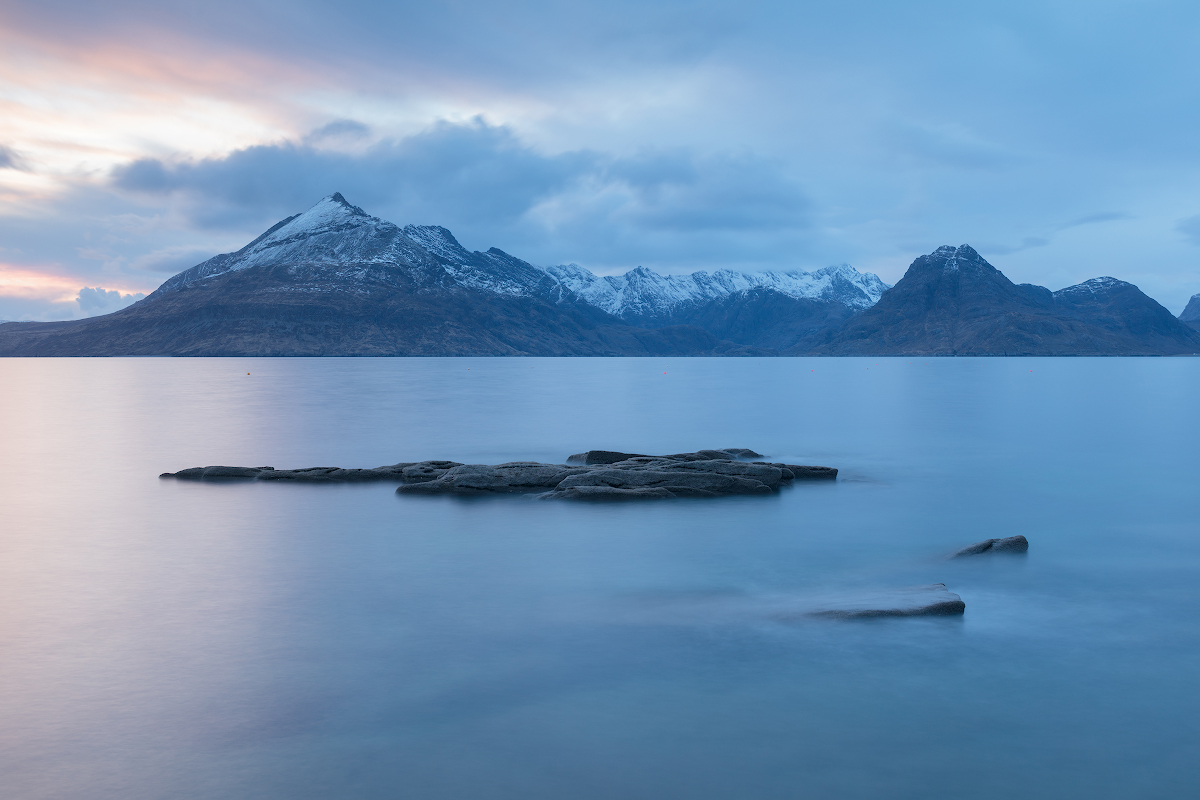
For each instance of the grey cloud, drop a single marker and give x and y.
(481, 181)
(1093, 219)
(370, 40)
(952, 146)
(676, 191)
(340, 130)
(469, 173)
(170, 260)
(93, 302)
(9, 158)
(1190, 228)
(1027, 243)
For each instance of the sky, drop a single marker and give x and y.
(141, 137)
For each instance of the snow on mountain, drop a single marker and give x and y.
(1191, 313)
(644, 292)
(1092, 286)
(493, 271)
(341, 242)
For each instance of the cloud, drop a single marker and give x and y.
(1093, 219)
(340, 131)
(1027, 243)
(31, 293)
(1030, 242)
(682, 192)
(9, 158)
(950, 145)
(1190, 228)
(171, 260)
(482, 181)
(97, 301)
(681, 135)
(472, 172)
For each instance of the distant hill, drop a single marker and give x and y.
(953, 302)
(1191, 314)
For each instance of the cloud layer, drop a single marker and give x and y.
(138, 138)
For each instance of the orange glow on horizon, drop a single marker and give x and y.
(34, 284)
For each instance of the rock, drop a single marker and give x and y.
(601, 457)
(1011, 544)
(920, 601)
(518, 476)
(196, 473)
(596, 474)
(608, 493)
(806, 473)
(677, 482)
(741, 452)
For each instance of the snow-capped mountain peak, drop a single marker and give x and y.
(642, 292)
(1092, 286)
(339, 242)
(438, 241)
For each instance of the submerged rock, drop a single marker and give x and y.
(1011, 544)
(933, 600)
(596, 474)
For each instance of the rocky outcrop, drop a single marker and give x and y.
(613, 456)
(1010, 544)
(596, 474)
(409, 472)
(920, 601)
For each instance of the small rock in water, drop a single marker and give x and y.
(1011, 544)
(920, 601)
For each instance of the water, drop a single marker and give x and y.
(164, 639)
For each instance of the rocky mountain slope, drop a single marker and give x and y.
(337, 281)
(1191, 314)
(953, 302)
(770, 309)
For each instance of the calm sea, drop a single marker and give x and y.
(163, 639)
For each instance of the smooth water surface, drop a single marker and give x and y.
(167, 639)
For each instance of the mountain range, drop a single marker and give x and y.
(338, 281)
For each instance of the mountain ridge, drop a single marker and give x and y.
(335, 280)
(953, 302)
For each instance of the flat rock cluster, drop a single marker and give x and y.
(596, 474)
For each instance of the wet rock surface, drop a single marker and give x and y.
(1010, 544)
(596, 474)
(934, 600)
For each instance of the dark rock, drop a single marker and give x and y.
(702, 455)
(196, 473)
(807, 473)
(920, 601)
(601, 457)
(741, 452)
(515, 477)
(611, 493)
(596, 474)
(1011, 544)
